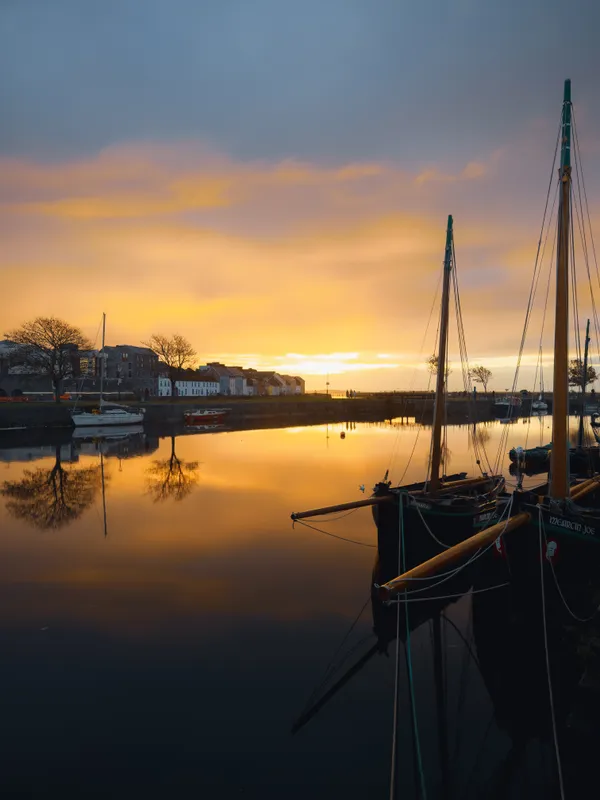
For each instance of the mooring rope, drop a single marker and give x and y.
(550, 693)
(408, 652)
(333, 535)
(558, 589)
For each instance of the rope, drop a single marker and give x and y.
(473, 558)
(421, 350)
(341, 516)
(430, 532)
(408, 653)
(561, 595)
(504, 436)
(450, 596)
(547, 654)
(333, 535)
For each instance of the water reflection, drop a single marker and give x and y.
(52, 498)
(202, 626)
(172, 478)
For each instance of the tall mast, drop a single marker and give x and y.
(583, 384)
(440, 388)
(102, 364)
(559, 472)
(103, 490)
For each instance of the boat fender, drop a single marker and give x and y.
(551, 553)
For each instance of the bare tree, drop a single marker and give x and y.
(47, 343)
(177, 353)
(481, 375)
(576, 373)
(52, 498)
(171, 477)
(432, 366)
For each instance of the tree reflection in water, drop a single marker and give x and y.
(171, 478)
(52, 498)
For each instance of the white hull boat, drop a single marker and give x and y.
(94, 431)
(109, 414)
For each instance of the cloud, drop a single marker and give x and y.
(126, 183)
(335, 265)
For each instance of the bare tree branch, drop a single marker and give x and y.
(176, 353)
(44, 343)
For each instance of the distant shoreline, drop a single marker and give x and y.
(298, 409)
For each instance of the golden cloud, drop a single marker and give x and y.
(278, 258)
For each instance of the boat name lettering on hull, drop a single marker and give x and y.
(573, 526)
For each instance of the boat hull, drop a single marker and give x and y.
(562, 541)
(107, 419)
(431, 525)
(205, 417)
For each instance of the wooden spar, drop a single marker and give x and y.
(453, 485)
(584, 484)
(559, 472)
(439, 408)
(591, 486)
(386, 498)
(453, 554)
(317, 512)
(583, 384)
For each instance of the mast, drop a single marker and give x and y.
(583, 384)
(102, 365)
(440, 389)
(103, 490)
(559, 472)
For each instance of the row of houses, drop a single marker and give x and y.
(138, 369)
(218, 379)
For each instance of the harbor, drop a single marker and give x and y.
(299, 412)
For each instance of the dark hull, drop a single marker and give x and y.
(431, 525)
(582, 461)
(563, 542)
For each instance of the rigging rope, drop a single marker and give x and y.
(328, 533)
(503, 438)
(408, 654)
(547, 654)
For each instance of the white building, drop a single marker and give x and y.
(196, 387)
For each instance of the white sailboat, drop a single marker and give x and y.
(539, 404)
(108, 413)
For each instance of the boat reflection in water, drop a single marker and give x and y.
(496, 653)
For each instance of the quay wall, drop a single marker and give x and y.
(308, 410)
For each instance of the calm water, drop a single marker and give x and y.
(171, 656)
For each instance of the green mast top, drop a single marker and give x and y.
(448, 252)
(565, 151)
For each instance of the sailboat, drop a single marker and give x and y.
(540, 404)
(107, 413)
(582, 460)
(557, 522)
(443, 507)
(565, 509)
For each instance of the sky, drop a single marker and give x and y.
(272, 179)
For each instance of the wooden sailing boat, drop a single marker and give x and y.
(558, 521)
(583, 461)
(443, 507)
(567, 509)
